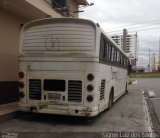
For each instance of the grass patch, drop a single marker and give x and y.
(148, 75)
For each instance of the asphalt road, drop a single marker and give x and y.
(127, 115)
(148, 84)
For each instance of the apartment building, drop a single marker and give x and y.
(154, 61)
(13, 14)
(131, 46)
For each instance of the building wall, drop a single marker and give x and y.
(45, 7)
(9, 45)
(132, 46)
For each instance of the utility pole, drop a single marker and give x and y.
(154, 61)
(159, 56)
(159, 49)
(149, 65)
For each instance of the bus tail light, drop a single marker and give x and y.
(21, 74)
(90, 77)
(89, 98)
(90, 88)
(21, 84)
(21, 94)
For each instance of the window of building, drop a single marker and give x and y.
(61, 4)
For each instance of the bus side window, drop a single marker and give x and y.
(110, 53)
(105, 49)
(115, 57)
(102, 48)
(108, 50)
(126, 62)
(118, 57)
(123, 59)
(112, 59)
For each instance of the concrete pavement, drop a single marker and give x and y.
(127, 115)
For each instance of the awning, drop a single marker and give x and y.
(81, 2)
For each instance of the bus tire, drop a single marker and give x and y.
(126, 89)
(110, 103)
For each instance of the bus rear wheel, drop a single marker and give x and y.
(110, 103)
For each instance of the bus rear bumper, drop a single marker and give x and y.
(60, 110)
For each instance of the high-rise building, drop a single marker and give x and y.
(130, 46)
(154, 60)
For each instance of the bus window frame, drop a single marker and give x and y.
(108, 54)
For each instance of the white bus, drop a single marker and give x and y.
(69, 67)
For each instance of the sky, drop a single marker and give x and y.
(141, 16)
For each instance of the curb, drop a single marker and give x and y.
(13, 115)
(8, 116)
(149, 122)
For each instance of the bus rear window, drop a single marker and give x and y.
(59, 37)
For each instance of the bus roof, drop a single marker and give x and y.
(58, 20)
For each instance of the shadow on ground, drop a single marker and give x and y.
(51, 119)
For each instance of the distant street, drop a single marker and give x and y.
(148, 84)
